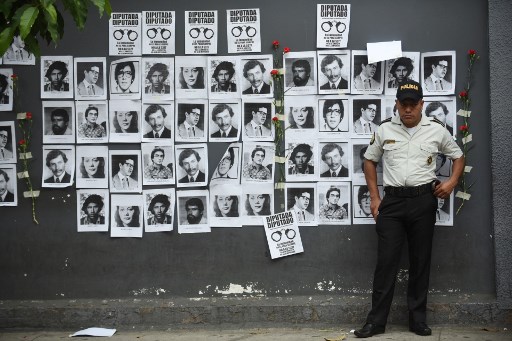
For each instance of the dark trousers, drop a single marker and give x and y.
(400, 218)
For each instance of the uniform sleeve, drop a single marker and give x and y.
(375, 150)
(449, 147)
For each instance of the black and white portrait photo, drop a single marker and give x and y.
(334, 203)
(17, 53)
(258, 202)
(92, 207)
(444, 216)
(258, 162)
(438, 74)
(366, 115)
(91, 121)
(193, 215)
(58, 122)
(300, 198)
(443, 108)
(8, 185)
(300, 160)
(300, 115)
(190, 77)
(92, 167)
(159, 209)
(367, 78)
(334, 160)
(57, 77)
(334, 118)
(158, 80)
(258, 120)
(223, 79)
(125, 80)
(191, 121)
(7, 143)
(256, 81)
(6, 90)
(300, 73)
(225, 120)
(125, 171)
(126, 215)
(192, 160)
(158, 121)
(333, 72)
(59, 165)
(158, 161)
(399, 70)
(226, 206)
(359, 147)
(362, 213)
(228, 168)
(125, 121)
(90, 79)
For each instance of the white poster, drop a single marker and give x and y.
(91, 121)
(125, 121)
(57, 77)
(333, 23)
(92, 205)
(228, 169)
(192, 209)
(126, 215)
(158, 32)
(7, 142)
(124, 34)
(201, 32)
(60, 166)
(92, 163)
(283, 235)
(8, 185)
(159, 209)
(226, 205)
(17, 53)
(6, 90)
(243, 30)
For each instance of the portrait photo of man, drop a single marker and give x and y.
(124, 168)
(222, 116)
(90, 78)
(362, 209)
(189, 160)
(56, 77)
(300, 158)
(191, 120)
(257, 118)
(255, 169)
(195, 212)
(93, 211)
(439, 110)
(254, 72)
(442, 212)
(156, 80)
(333, 111)
(366, 113)
(300, 201)
(331, 66)
(223, 77)
(332, 154)
(157, 169)
(17, 53)
(124, 79)
(158, 210)
(400, 71)
(437, 74)
(5, 195)
(6, 152)
(331, 210)
(225, 165)
(5, 93)
(57, 163)
(367, 77)
(301, 73)
(155, 116)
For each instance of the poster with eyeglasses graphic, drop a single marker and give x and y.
(201, 30)
(159, 32)
(243, 30)
(333, 23)
(283, 236)
(125, 34)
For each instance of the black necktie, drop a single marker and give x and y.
(156, 135)
(57, 180)
(333, 86)
(223, 134)
(256, 91)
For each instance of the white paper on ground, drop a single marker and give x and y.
(94, 332)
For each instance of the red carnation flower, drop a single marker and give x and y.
(13, 76)
(275, 43)
(275, 119)
(463, 94)
(464, 128)
(286, 50)
(472, 52)
(22, 142)
(274, 72)
(28, 115)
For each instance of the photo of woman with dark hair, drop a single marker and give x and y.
(258, 204)
(92, 167)
(126, 122)
(191, 77)
(226, 206)
(127, 216)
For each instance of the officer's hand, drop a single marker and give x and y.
(374, 206)
(444, 189)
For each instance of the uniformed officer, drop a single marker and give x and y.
(408, 143)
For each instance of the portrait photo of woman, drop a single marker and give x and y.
(191, 78)
(126, 122)
(127, 216)
(258, 204)
(226, 206)
(301, 118)
(92, 167)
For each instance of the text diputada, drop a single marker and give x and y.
(158, 18)
(244, 15)
(281, 219)
(334, 11)
(201, 17)
(125, 19)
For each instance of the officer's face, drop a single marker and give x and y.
(156, 120)
(333, 198)
(440, 69)
(369, 112)
(255, 76)
(400, 73)
(333, 71)
(302, 202)
(223, 120)
(439, 114)
(410, 112)
(58, 166)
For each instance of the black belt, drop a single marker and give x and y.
(409, 192)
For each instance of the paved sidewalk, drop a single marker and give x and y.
(397, 333)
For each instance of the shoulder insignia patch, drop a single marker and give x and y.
(373, 139)
(434, 119)
(385, 121)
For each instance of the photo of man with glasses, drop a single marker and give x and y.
(369, 111)
(440, 68)
(88, 86)
(257, 127)
(191, 113)
(333, 113)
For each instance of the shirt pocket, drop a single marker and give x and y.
(394, 153)
(429, 153)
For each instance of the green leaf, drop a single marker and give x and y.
(6, 39)
(78, 10)
(16, 18)
(100, 4)
(50, 14)
(6, 7)
(32, 45)
(27, 20)
(47, 3)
